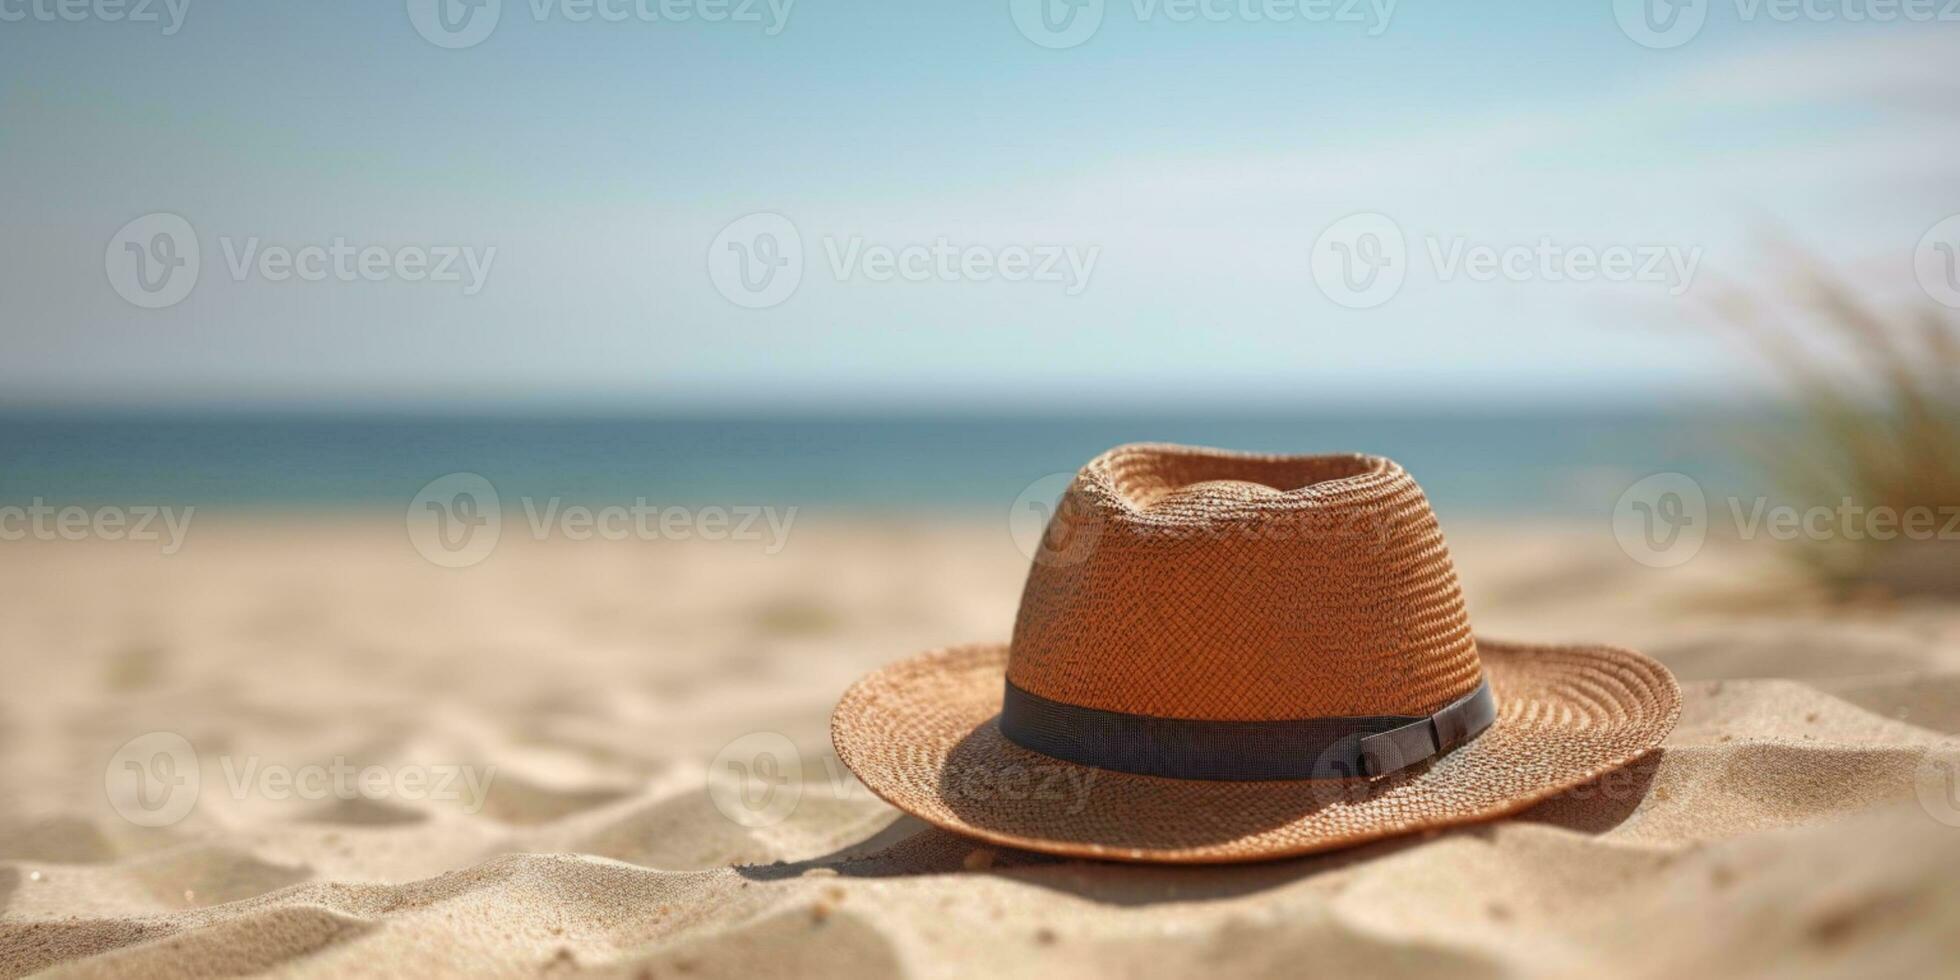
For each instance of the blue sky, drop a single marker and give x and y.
(1200, 162)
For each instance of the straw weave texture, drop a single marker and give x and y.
(1188, 583)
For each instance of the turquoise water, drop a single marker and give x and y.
(1471, 465)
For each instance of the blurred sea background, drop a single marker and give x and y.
(1481, 465)
(601, 358)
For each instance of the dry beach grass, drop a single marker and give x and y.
(1876, 393)
(1789, 828)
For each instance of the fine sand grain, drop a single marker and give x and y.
(1801, 820)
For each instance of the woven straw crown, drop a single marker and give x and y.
(1203, 584)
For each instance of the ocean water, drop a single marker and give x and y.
(1471, 465)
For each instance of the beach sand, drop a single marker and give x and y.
(1800, 821)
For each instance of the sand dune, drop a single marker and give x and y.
(1799, 822)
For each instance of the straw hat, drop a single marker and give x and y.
(1232, 657)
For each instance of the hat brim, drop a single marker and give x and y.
(922, 734)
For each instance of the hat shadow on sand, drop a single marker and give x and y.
(910, 846)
